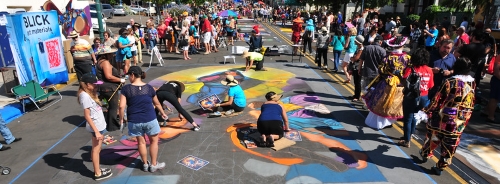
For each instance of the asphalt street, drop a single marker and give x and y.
(335, 145)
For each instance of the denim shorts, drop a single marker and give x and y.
(102, 132)
(140, 129)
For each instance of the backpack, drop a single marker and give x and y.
(412, 85)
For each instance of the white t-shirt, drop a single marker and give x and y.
(96, 113)
(131, 39)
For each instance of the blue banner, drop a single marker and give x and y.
(35, 40)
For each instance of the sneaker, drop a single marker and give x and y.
(215, 114)
(105, 170)
(424, 159)
(103, 175)
(154, 168)
(197, 128)
(4, 148)
(229, 112)
(145, 167)
(17, 140)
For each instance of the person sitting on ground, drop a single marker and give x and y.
(171, 92)
(251, 57)
(7, 135)
(273, 121)
(237, 100)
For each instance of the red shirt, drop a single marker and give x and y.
(161, 30)
(426, 78)
(206, 27)
(464, 38)
(167, 21)
(296, 28)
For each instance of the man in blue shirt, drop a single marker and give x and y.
(441, 61)
(432, 35)
(237, 100)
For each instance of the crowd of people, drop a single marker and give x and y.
(439, 76)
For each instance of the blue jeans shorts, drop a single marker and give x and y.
(140, 129)
(102, 132)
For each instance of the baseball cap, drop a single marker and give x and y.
(378, 38)
(90, 78)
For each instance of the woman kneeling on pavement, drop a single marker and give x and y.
(251, 57)
(139, 98)
(237, 100)
(273, 121)
(171, 92)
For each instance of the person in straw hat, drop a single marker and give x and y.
(111, 83)
(171, 92)
(354, 70)
(252, 57)
(83, 54)
(322, 43)
(384, 97)
(273, 121)
(237, 100)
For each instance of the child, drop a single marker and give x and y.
(241, 36)
(96, 124)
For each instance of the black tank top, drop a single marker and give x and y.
(107, 86)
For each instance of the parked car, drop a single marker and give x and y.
(106, 9)
(95, 23)
(137, 8)
(119, 10)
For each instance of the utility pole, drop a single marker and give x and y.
(98, 9)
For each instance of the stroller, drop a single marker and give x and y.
(221, 42)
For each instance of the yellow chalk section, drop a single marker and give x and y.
(71, 79)
(350, 87)
(286, 30)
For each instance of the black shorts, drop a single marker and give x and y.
(271, 127)
(230, 33)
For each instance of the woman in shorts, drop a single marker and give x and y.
(139, 98)
(133, 48)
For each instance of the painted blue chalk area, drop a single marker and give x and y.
(326, 175)
(11, 112)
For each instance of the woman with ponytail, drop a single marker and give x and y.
(139, 98)
(96, 124)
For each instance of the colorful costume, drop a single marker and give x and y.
(384, 97)
(449, 114)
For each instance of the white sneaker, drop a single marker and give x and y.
(158, 166)
(145, 166)
(229, 112)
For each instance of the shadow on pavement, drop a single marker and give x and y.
(62, 162)
(74, 120)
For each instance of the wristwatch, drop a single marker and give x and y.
(441, 71)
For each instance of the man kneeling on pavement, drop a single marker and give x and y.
(254, 57)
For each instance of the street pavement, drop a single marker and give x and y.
(335, 146)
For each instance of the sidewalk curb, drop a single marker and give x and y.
(71, 79)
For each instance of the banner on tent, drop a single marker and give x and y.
(36, 44)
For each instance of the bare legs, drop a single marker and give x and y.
(94, 154)
(347, 75)
(153, 148)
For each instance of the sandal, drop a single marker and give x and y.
(356, 100)
(404, 143)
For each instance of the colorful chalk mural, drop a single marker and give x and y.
(72, 18)
(341, 159)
